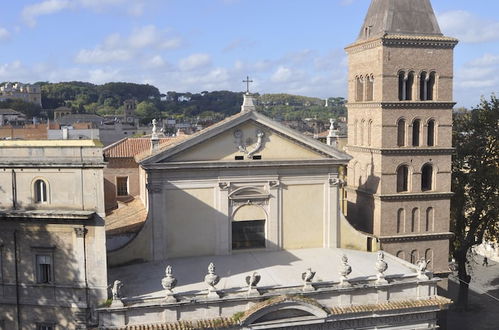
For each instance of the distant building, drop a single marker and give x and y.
(61, 112)
(24, 92)
(52, 241)
(11, 117)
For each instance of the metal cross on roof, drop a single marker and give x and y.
(247, 81)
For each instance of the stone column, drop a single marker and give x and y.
(332, 212)
(274, 224)
(223, 224)
(157, 211)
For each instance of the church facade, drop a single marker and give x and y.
(400, 131)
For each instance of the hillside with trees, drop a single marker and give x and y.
(107, 99)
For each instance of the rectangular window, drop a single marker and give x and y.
(248, 234)
(45, 326)
(122, 186)
(239, 157)
(44, 268)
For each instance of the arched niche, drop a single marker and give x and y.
(285, 309)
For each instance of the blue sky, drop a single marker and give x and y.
(288, 46)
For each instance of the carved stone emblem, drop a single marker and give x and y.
(241, 144)
(381, 267)
(307, 278)
(169, 282)
(212, 279)
(345, 270)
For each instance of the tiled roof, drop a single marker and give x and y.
(230, 322)
(10, 112)
(130, 147)
(127, 218)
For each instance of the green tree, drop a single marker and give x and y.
(147, 111)
(27, 108)
(475, 183)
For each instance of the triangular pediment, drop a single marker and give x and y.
(246, 136)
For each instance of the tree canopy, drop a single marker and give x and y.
(107, 99)
(475, 183)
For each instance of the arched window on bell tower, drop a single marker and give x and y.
(427, 177)
(402, 88)
(401, 132)
(416, 128)
(359, 89)
(431, 86)
(427, 84)
(369, 88)
(430, 133)
(409, 86)
(400, 220)
(403, 178)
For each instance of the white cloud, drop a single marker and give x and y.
(194, 62)
(468, 27)
(477, 77)
(485, 60)
(118, 48)
(239, 44)
(282, 74)
(31, 12)
(144, 36)
(100, 55)
(101, 76)
(155, 62)
(4, 34)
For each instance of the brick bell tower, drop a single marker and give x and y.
(400, 131)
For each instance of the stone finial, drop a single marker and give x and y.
(344, 270)
(212, 279)
(307, 278)
(116, 292)
(252, 281)
(381, 267)
(169, 282)
(422, 264)
(154, 136)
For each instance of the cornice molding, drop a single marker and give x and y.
(418, 237)
(403, 41)
(402, 105)
(402, 151)
(415, 196)
(403, 196)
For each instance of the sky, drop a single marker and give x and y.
(285, 46)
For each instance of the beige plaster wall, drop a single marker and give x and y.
(224, 146)
(303, 216)
(58, 302)
(190, 222)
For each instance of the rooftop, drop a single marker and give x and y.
(49, 143)
(10, 112)
(130, 147)
(278, 269)
(406, 17)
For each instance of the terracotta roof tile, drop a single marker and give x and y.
(127, 218)
(229, 322)
(130, 147)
